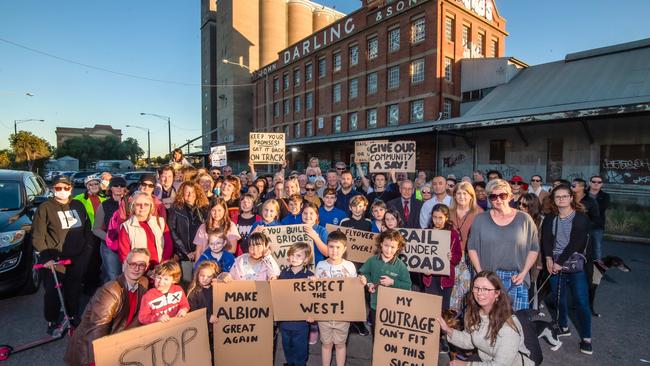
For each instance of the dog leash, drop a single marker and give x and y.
(539, 289)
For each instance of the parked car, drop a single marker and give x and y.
(49, 176)
(20, 194)
(79, 177)
(133, 178)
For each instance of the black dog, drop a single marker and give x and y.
(600, 268)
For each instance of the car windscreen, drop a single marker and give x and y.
(10, 196)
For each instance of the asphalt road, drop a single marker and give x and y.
(620, 337)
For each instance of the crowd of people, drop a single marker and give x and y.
(187, 227)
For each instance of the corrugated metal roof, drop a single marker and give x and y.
(585, 81)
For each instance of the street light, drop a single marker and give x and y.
(19, 121)
(148, 143)
(228, 62)
(169, 127)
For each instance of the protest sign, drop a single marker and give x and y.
(282, 237)
(426, 251)
(218, 156)
(244, 334)
(180, 341)
(406, 332)
(266, 147)
(322, 299)
(361, 154)
(361, 244)
(399, 156)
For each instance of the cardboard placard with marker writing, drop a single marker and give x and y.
(218, 156)
(427, 251)
(361, 244)
(266, 147)
(398, 156)
(361, 154)
(244, 334)
(282, 237)
(180, 341)
(406, 332)
(322, 299)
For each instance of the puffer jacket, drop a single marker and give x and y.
(106, 314)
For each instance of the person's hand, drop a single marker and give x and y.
(251, 164)
(557, 268)
(49, 264)
(443, 325)
(458, 363)
(227, 278)
(176, 258)
(309, 319)
(271, 278)
(363, 279)
(267, 252)
(549, 265)
(311, 232)
(371, 288)
(518, 279)
(164, 318)
(386, 281)
(258, 229)
(284, 164)
(181, 313)
(214, 319)
(312, 278)
(191, 256)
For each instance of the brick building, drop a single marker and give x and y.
(98, 131)
(389, 68)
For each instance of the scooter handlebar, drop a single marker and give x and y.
(62, 262)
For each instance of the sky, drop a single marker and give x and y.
(103, 62)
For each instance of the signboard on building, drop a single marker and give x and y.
(266, 147)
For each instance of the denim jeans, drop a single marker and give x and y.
(295, 344)
(597, 243)
(111, 265)
(577, 283)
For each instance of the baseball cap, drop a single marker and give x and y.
(62, 179)
(91, 178)
(117, 181)
(148, 178)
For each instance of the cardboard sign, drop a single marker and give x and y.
(361, 154)
(322, 299)
(180, 341)
(266, 147)
(244, 334)
(399, 155)
(283, 237)
(361, 244)
(218, 156)
(426, 251)
(406, 332)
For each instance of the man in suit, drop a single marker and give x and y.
(407, 205)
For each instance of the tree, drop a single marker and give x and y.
(89, 149)
(131, 150)
(6, 157)
(30, 148)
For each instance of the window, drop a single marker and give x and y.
(276, 109)
(336, 93)
(296, 77)
(286, 106)
(276, 85)
(417, 30)
(446, 112)
(322, 67)
(392, 112)
(354, 55)
(321, 122)
(309, 72)
(309, 100)
(449, 69)
(287, 130)
(494, 47)
(336, 122)
(393, 40)
(417, 71)
(417, 110)
(352, 121)
(309, 128)
(336, 61)
(372, 83)
(373, 48)
(497, 151)
(393, 77)
(285, 81)
(481, 43)
(296, 130)
(296, 104)
(450, 25)
(466, 40)
(353, 88)
(371, 118)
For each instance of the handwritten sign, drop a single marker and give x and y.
(266, 147)
(361, 154)
(283, 237)
(244, 334)
(399, 155)
(218, 156)
(426, 251)
(406, 331)
(361, 244)
(323, 299)
(180, 341)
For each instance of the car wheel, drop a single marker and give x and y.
(33, 278)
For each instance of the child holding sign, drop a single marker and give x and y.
(385, 269)
(256, 265)
(270, 212)
(335, 333)
(442, 285)
(199, 294)
(316, 232)
(167, 300)
(216, 243)
(295, 334)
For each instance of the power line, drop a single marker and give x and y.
(98, 68)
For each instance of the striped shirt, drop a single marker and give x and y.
(562, 231)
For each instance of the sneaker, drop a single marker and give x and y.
(313, 336)
(361, 328)
(564, 332)
(585, 347)
(51, 327)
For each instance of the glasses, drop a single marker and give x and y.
(139, 265)
(502, 196)
(148, 185)
(483, 290)
(310, 189)
(596, 182)
(451, 185)
(142, 204)
(516, 183)
(574, 185)
(340, 169)
(93, 184)
(562, 197)
(535, 180)
(58, 189)
(426, 192)
(118, 186)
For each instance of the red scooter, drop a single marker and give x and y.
(6, 350)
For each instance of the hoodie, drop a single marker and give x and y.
(60, 229)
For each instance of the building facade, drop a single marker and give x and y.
(98, 131)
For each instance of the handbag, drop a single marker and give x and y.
(576, 262)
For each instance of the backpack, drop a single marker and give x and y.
(530, 336)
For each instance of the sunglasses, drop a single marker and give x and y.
(574, 185)
(58, 189)
(148, 185)
(140, 265)
(535, 180)
(118, 186)
(310, 189)
(340, 169)
(597, 182)
(516, 183)
(502, 196)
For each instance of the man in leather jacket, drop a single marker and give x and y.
(113, 308)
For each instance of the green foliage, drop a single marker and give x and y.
(6, 157)
(29, 148)
(630, 221)
(90, 149)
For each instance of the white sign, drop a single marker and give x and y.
(218, 156)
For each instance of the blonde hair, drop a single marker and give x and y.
(465, 187)
(210, 265)
(275, 204)
(135, 196)
(498, 184)
(169, 268)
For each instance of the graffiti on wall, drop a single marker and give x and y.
(506, 171)
(625, 164)
(453, 160)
